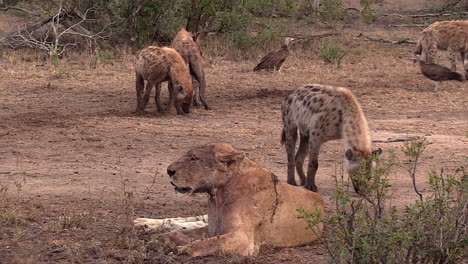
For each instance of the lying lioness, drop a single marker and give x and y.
(247, 205)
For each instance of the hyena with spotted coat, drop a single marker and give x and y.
(189, 48)
(157, 65)
(321, 113)
(445, 35)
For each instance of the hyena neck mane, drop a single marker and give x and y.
(355, 130)
(178, 73)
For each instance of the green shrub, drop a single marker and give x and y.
(331, 52)
(367, 229)
(333, 10)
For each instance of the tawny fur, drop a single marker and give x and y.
(445, 35)
(247, 206)
(157, 65)
(321, 113)
(190, 51)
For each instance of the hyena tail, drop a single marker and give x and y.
(418, 47)
(140, 82)
(283, 136)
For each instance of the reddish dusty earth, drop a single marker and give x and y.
(77, 165)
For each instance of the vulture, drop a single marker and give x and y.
(274, 59)
(436, 72)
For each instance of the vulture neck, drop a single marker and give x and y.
(285, 47)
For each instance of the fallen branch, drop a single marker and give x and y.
(427, 15)
(406, 25)
(397, 139)
(324, 35)
(400, 41)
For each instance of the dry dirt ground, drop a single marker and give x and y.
(77, 165)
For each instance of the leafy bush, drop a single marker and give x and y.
(333, 10)
(331, 52)
(366, 10)
(367, 229)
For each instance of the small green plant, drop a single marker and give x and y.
(332, 53)
(367, 229)
(333, 10)
(366, 10)
(103, 57)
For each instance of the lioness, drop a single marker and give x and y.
(247, 205)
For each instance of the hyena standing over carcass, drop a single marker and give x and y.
(189, 48)
(157, 65)
(445, 35)
(322, 113)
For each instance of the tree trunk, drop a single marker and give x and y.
(193, 21)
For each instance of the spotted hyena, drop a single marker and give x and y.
(157, 65)
(189, 48)
(322, 113)
(445, 35)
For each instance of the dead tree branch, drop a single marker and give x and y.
(63, 23)
(324, 35)
(381, 40)
(4, 7)
(406, 25)
(427, 15)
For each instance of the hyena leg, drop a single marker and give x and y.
(430, 49)
(290, 144)
(314, 149)
(199, 75)
(146, 96)
(171, 96)
(301, 154)
(157, 98)
(196, 94)
(453, 59)
(140, 87)
(464, 56)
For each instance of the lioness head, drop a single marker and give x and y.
(204, 168)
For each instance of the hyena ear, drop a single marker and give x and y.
(195, 36)
(349, 154)
(179, 89)
(230, 158)
(377, 152)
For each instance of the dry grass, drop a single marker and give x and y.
(90, 162)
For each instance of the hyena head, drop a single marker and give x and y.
(183, 97)
(358, 163)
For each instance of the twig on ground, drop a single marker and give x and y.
(406, 25)
(324, 35)
(397, 139)
(381, 40)
(427, 15)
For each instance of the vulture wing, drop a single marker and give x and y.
(272, 60)
(437, 72)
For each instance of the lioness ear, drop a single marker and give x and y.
(230, 158)
(377, 152)
(349, 154)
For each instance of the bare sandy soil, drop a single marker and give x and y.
(77, 165)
